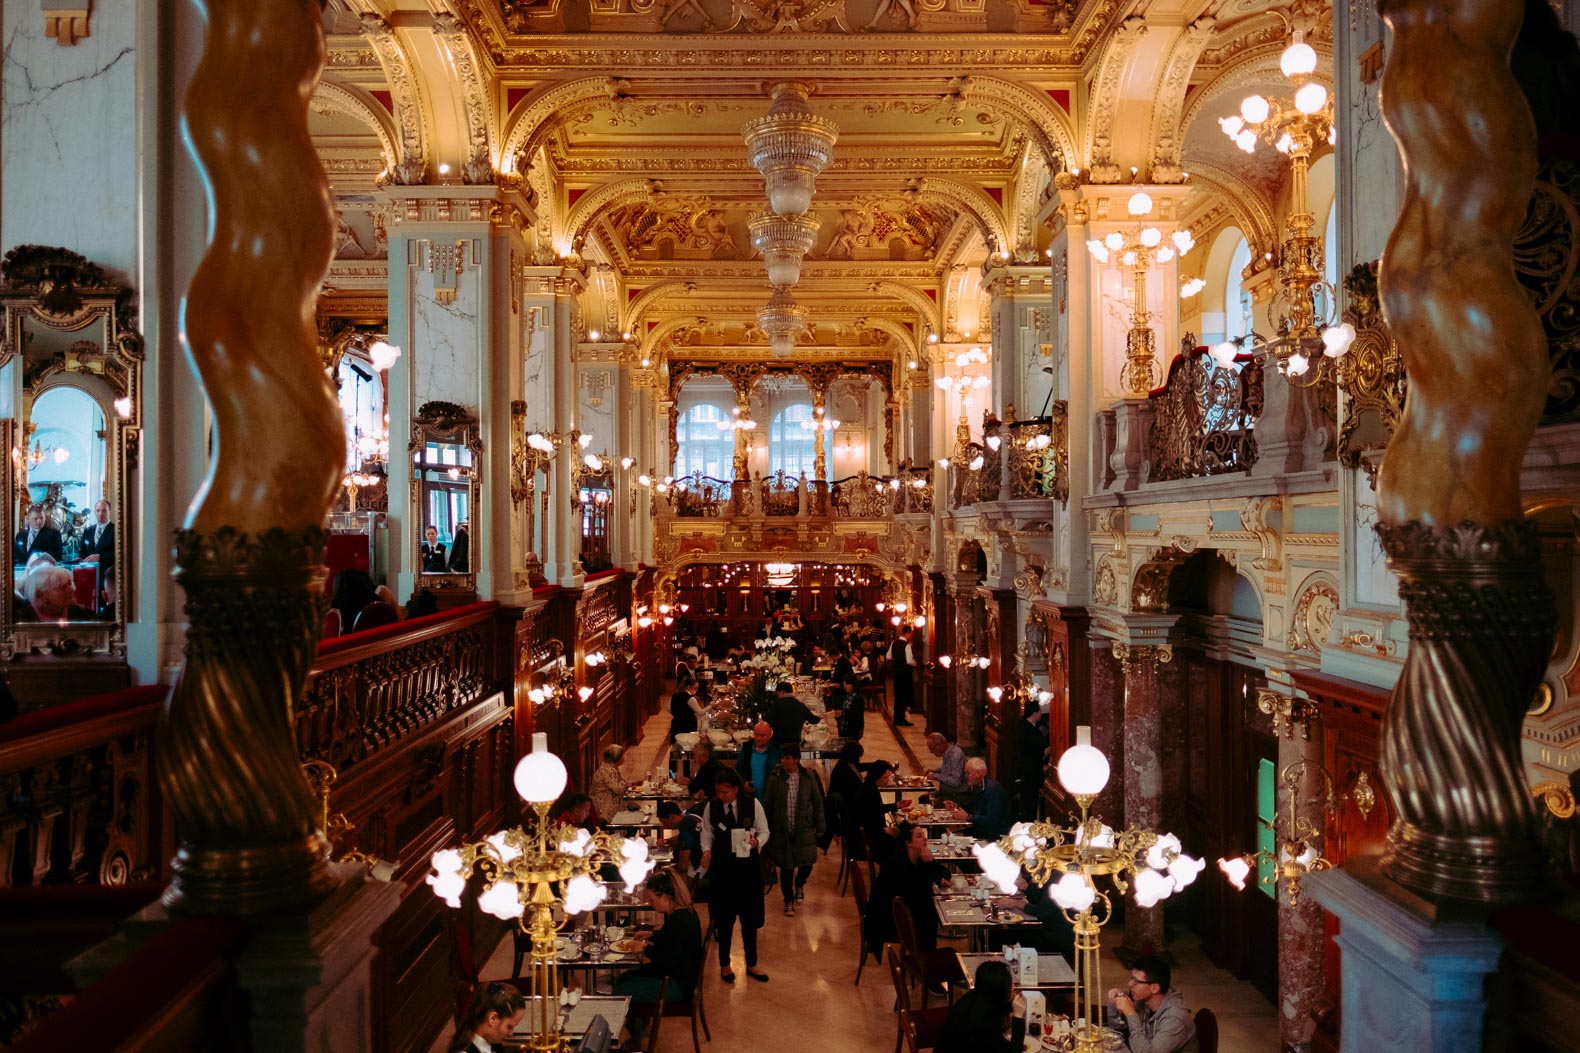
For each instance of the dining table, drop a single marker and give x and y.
(574, 1020)
(1053, 970)
(961, 910)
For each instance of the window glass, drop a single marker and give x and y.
(703, 446)
(1236, 301)
(791, 447)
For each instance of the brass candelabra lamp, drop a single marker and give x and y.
(534, 872)
(1078, 857)
(1137, 249)
(1297, 853)
(1304, 303)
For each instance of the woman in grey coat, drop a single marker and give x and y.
(793, 800)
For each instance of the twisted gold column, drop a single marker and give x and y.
(251, 556)
(1448, 490)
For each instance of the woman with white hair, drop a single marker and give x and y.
(608, 783)
(49, 592)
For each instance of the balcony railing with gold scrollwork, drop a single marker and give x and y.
(916, 489)
(864, 496)
(781, 494)
(1039, 457)
(1204, 417)
(699, 496)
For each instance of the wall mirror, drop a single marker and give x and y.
(71, 364)
(446, 455)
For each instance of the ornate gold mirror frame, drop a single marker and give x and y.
(71, 326)
(448, 425)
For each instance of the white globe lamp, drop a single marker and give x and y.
(1083, 770)
(540, 775)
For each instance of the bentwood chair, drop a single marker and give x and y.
(1207, 1030)
(928, 968)
(921, 1026)
(859, 883)
(692, 1006)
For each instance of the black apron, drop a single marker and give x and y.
(735, 884)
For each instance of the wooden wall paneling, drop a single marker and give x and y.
(1001, 726)
(936, 695)
(1069, 665)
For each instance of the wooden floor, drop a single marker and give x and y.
(811, 1000)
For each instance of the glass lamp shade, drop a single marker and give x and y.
(1164, 849)
(1184, 870)
(1098, 250)
(998, 866)
(540, 775)
(506, 851)
(1072, 892)
(582, 894)
(1311, 98)
(1298, 59)
(1224, 353)
(1183, 241)
(1236, 870)
(1083, 770)
(1336, 339)
(1151, 237)
(384, 355)
(1298, 365)
(1152, 887)
(1254, 109)
(1140, 204)
(502, 899)
(1115, 241)
(446, 879)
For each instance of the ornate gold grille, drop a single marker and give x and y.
(1203, 417)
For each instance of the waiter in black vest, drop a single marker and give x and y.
(902, 660)
(98, 537)
(734, 832)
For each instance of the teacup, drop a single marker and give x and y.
(959, 882)
(616, 932)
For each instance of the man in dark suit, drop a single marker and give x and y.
(35, 537)
(98, 537)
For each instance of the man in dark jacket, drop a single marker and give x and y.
(757, 758)
(788, 715)
(35, 536)
(794, 802)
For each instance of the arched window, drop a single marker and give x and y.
(791, 446)
(1236, 301)
(704, 447)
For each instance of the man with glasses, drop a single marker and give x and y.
(1152, 1017)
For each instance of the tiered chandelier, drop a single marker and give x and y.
(1137, 249)
(789, 147)
(1303, 306)
(782, 319)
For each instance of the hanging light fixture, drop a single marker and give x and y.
(783, 241)
(782, 319)
(790, 146)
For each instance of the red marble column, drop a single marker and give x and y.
(1302, 936)
(1107, 714)
(1143, 777)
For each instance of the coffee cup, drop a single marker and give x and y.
(616, 932)
(959, 882)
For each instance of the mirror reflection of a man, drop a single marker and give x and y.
(461, 549)
(35, 536)
(98, 537)
(433, 561)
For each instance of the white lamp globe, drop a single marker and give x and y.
(1298, 59)
(502, 899)
(1311, 98)
(1151, 236)
(1083, 770)
(383, 355)
(1140, 203)
(1072, 892)
(1336, 339)
(1254, 109)
(1115, 241)
(1152, 887)
(1236, 870)
(540, 775)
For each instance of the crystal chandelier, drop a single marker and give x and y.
(1071, 860)
(790, 146)
(782, 319)
(1137, 249)
(1303, 305)
(783, 241)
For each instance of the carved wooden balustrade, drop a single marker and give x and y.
(1204, 416)
(78, 802)
(368, 690)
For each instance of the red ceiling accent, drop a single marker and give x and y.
(1062, 97)
(572, 194)
(515, 95)
(997, 194)
(932, 294)
(385, 98)
(631, 294)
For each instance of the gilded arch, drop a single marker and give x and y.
(352, 101)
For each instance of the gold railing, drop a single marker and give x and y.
(1039, 457)
(861, 496)
(781, 494)
(699, 496)
(1204, 416)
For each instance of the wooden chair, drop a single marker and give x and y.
(375, 615)
(1207, 1030)
(927, 968)
(692, 1006)
(859, 883)
(920, 1026)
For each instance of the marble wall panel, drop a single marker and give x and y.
(446, 342)
(68, 136)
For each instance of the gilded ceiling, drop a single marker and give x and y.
(622, 119)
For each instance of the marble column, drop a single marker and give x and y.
(1107, 715)
(1143, 776)
(1302, 928)
(548, 296)
(1407, 983)
(1080, 386)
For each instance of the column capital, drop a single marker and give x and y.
(1133, 656)
(495, 205)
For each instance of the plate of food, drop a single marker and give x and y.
(627, 946)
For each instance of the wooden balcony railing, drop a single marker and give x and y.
(78, 801)
(368, 690)
(1204, 417)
